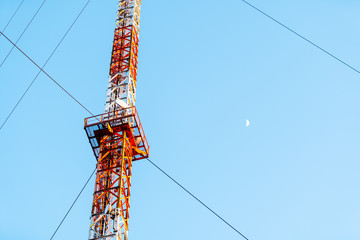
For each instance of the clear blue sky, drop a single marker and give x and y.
(204, 68)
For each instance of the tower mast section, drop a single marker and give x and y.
(124, 59)
(117, 137)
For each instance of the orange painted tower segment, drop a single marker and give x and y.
(117, 137)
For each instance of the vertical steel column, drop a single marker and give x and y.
(124, 195)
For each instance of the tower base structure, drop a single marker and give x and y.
(117, 139)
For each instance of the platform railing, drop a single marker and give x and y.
(115, 118)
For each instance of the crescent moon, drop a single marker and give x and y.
(247, 123)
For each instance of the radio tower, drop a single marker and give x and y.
(117, 137)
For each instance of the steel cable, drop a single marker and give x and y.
(32, 82)
(301, 36)
(27, 26)
(42, 70)
(17, 9)
(72, 205)
(197, 199)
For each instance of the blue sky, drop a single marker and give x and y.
(204, 68)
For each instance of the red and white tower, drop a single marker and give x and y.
(117, 137)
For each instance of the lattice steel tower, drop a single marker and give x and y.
(117, 137)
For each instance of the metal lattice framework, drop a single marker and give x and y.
(124, 59)
(117, 137)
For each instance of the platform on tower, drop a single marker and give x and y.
(113, 125)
